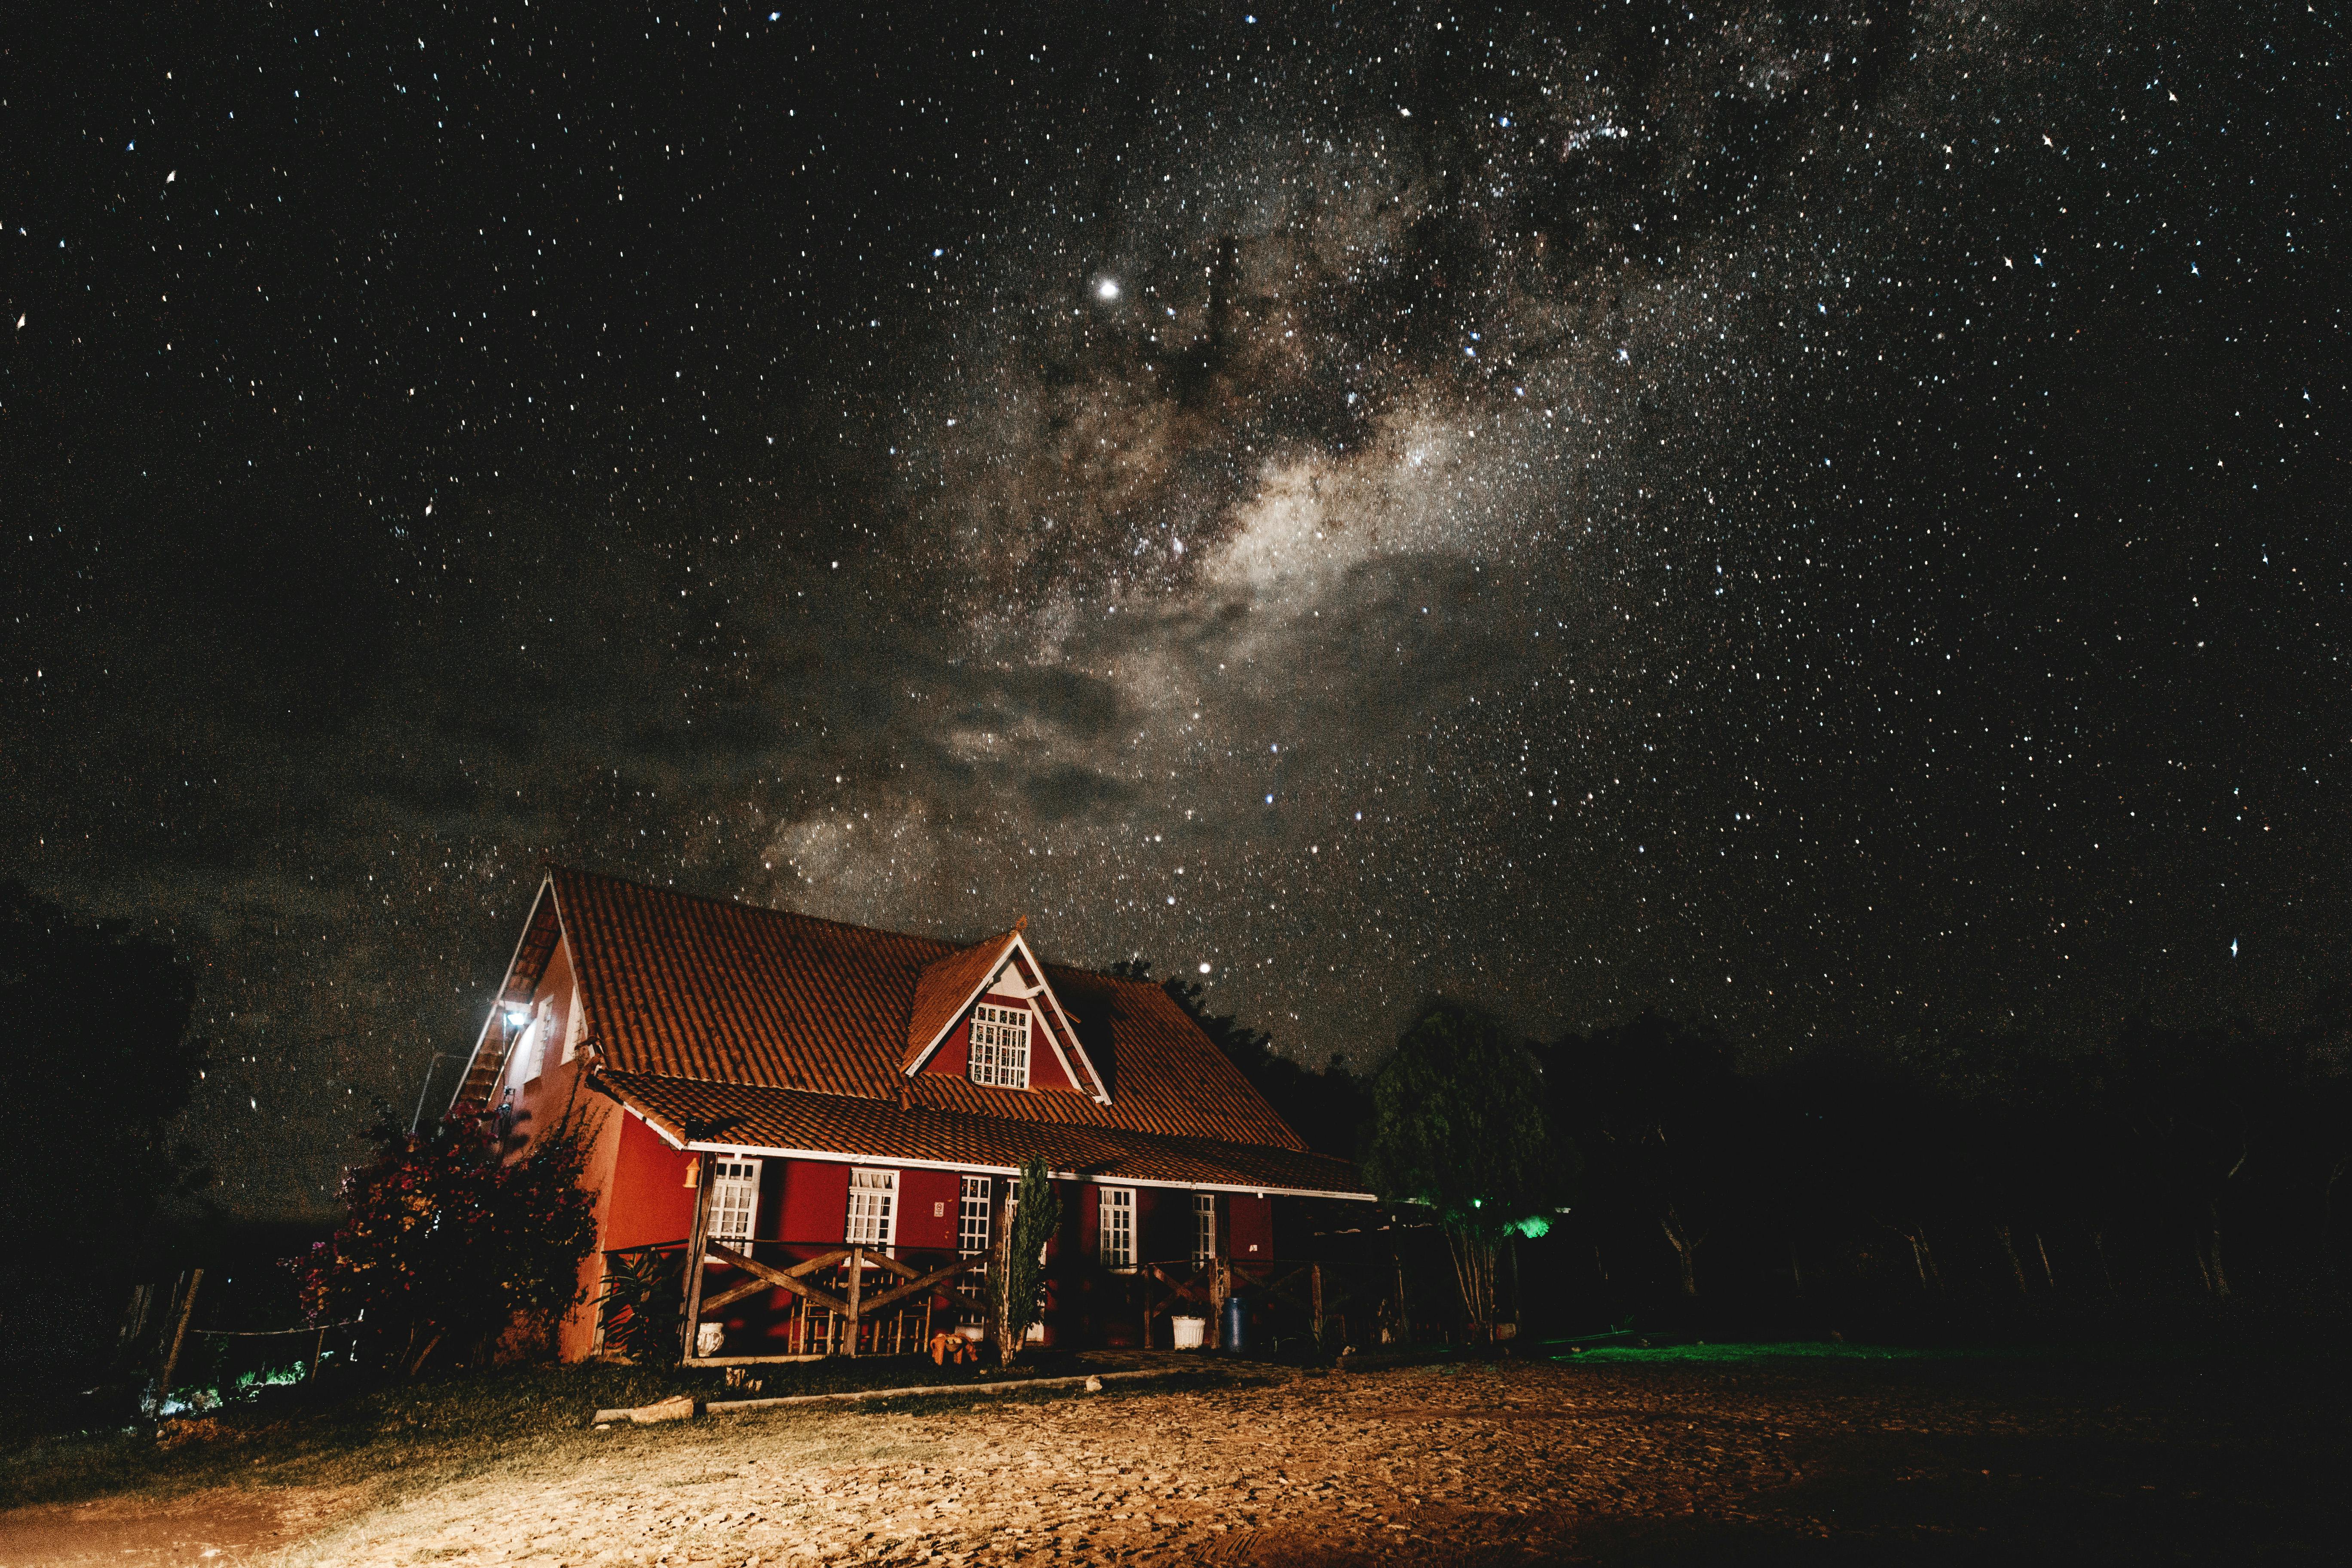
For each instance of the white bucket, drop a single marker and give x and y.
(1188, 1331)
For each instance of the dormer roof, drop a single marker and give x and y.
(948, 987)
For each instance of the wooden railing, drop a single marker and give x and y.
(1308, 1295)
(839, 1310)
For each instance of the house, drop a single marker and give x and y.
(831, 1115)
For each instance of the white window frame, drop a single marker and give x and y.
(1115, 1230)
(519, 1057)
(871, 1223)
(573, 1027)
(1204, 1229)
(972, 1233)
(1000, 1046)
(734, 1190)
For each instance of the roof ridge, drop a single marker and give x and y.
(737, 904)
(953, 944)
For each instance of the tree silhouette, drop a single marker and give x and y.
(94, 1025)
(1459, 1126)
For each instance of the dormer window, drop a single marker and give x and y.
(1000, 1046)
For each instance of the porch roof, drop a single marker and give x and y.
(754, 1118)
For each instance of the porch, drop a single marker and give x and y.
(767, 1301)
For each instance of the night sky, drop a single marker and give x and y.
(1825, 520)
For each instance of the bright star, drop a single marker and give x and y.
(1107, 290)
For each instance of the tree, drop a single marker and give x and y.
(449, 1241)
(1653, 1103)
(1459, 1127)
(94, 1026)
(1016, 1265)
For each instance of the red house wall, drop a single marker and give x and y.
(816, 1201)
(1250, 1227)
(927, 1208)
(648, 1200)
(954, 1055)
(1163, 1225)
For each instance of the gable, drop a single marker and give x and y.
(999, 971)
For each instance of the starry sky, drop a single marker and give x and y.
(1824, 520)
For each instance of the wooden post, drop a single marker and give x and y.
(857, 1290)
(179, 1336)
(1221, 1285)
(697, 1248)
(1315, 1298)
(1404, 1322)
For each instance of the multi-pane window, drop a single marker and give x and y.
(1000, 1046)
(871, 1206)
(1204, 1229)
(971, 1217)
(1116, 1244)
(734, 1198)
(971, 1241)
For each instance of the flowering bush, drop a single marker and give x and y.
(449, 1243)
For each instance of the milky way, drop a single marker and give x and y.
(1823, 521)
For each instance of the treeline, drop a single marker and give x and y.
(1949, 1172)
(2151, 1162)
(96, 1029)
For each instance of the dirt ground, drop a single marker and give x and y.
(1763, 1461)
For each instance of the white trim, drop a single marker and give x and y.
(896, 1163)
(575, 1006)
(506, 975)
(656, 1129)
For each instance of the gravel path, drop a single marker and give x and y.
(1498, 1464)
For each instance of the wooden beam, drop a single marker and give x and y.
(733, 1294)
(697, 1248)
(1280, 1288)
(929, 1282)
(767, 1276)
(884, 1261)
(856, 1291)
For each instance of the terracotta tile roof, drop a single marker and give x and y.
(944, 987)
(787, 1120)
(678, 986)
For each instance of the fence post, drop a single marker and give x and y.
(1315, 1298)
(1221, 1285)
(856, 1289)
(696, 1248)
(179, 1334)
